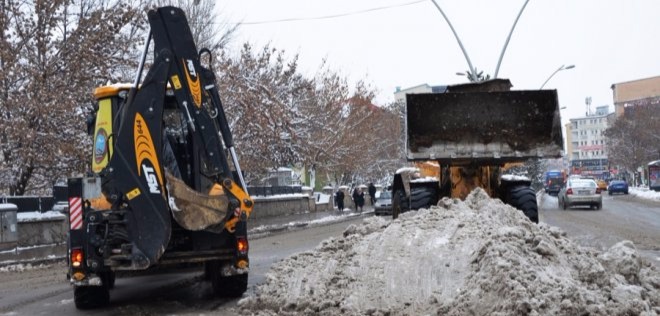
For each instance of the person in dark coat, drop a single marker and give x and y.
(358, 198)
(339, 199)
(372, 193)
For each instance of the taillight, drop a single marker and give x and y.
(242, 245)
(76, 258)
(569, 191)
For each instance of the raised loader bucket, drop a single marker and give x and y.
(483, 126)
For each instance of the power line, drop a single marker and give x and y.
(333, 16)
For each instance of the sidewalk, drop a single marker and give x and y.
(256, 228)
(265, 226)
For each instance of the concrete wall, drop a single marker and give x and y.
(282, 205)
(54, 230)
(42, 232)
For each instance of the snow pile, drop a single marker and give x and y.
(477, 257)
(645, 193)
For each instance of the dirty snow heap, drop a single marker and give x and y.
(472, 257)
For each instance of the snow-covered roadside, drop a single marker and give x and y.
(264, 230)
(644, 193)
(477, 256)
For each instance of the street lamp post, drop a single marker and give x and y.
(460, 44)
(499, 62)
(556, 71)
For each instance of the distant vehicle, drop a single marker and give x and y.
(61, 206)
(553, 181)
(617, 186)
(602, 184)
(580, 192)
(383, 205)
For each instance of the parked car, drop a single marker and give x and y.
(580, 192)
(617, 186)
(383, 205)
(602, 184)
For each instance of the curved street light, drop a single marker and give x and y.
(460, 44)
(556, 71)
(499, 62)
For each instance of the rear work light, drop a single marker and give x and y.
(76, 258)
(569, 191)
(242, 245)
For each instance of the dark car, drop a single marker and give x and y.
(383, 205)
(617, 186)
(553, 185)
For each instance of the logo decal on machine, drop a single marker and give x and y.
(145, 154)
(152, 182)
(100, 146)
(193, 81)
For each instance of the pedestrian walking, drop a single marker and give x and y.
(358, 199)
(339, 199)
(372, 193)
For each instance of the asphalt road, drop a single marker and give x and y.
(623, 217)
(44, 291)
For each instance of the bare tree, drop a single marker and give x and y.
(53, 54)
(633, 138)
(261, 93)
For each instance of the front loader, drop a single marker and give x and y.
(473, 133)
(161, 191)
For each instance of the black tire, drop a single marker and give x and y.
(599, 206)
(109, 279)
(423, 197)
(420, 197)
(226, 286)
(396, 204)
(523, 198)
(609, 192)
(89, 297)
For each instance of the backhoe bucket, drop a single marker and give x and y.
(194, 210)
(483, 126)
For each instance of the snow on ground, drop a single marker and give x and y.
(38, 216)
(263, 230)
(472, 257)
(25, 267)
(644, 193)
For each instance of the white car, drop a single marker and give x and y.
(383, 205)
(580, 192)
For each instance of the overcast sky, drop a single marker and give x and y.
(409, 43)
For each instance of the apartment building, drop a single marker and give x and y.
(631, 93)
(586, 144)
(400, 94)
